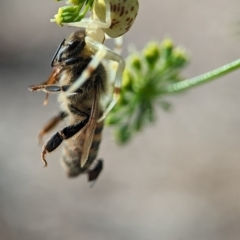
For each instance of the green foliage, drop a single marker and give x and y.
(74, 12)
(144, 86)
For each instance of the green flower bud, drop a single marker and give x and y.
(136, 62)
(58, 17)
(179, 57)
(127, 80)
(166, 48)
(65, 14)
(123, 134)
(152, 53)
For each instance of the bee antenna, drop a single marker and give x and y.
(54, 56)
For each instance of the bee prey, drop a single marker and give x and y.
(108, 19)
(80, 109)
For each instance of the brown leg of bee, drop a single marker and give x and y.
(58, 137)
(46, 88)
(54, 88)
(94, 173)
(46, 100)
(51, 80)
(50, 125)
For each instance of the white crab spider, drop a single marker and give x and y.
(113, 18)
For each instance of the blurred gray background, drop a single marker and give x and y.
(177, 180)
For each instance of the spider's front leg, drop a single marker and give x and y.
(118, 45)
(59, 136)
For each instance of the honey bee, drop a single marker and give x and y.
(81, 109)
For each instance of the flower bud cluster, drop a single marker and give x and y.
(143, 87)
(75, 11)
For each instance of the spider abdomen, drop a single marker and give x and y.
(123, 14)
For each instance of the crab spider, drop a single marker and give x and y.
(112, 18)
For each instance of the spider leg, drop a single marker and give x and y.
(117, 80)
(118, 43)
(82, 24)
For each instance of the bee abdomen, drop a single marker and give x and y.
(72, 154)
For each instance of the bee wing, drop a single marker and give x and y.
(90, 127)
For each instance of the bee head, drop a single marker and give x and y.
(69, 48)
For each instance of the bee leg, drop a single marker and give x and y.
(50, 125)
(94, 172)
(53, 88)
(58, 137)
(46, 88)
(51, 80)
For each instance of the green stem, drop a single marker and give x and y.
(204, 78)
(82, 15)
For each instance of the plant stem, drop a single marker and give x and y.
(204, 78)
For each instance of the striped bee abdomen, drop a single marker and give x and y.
(72, 152)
